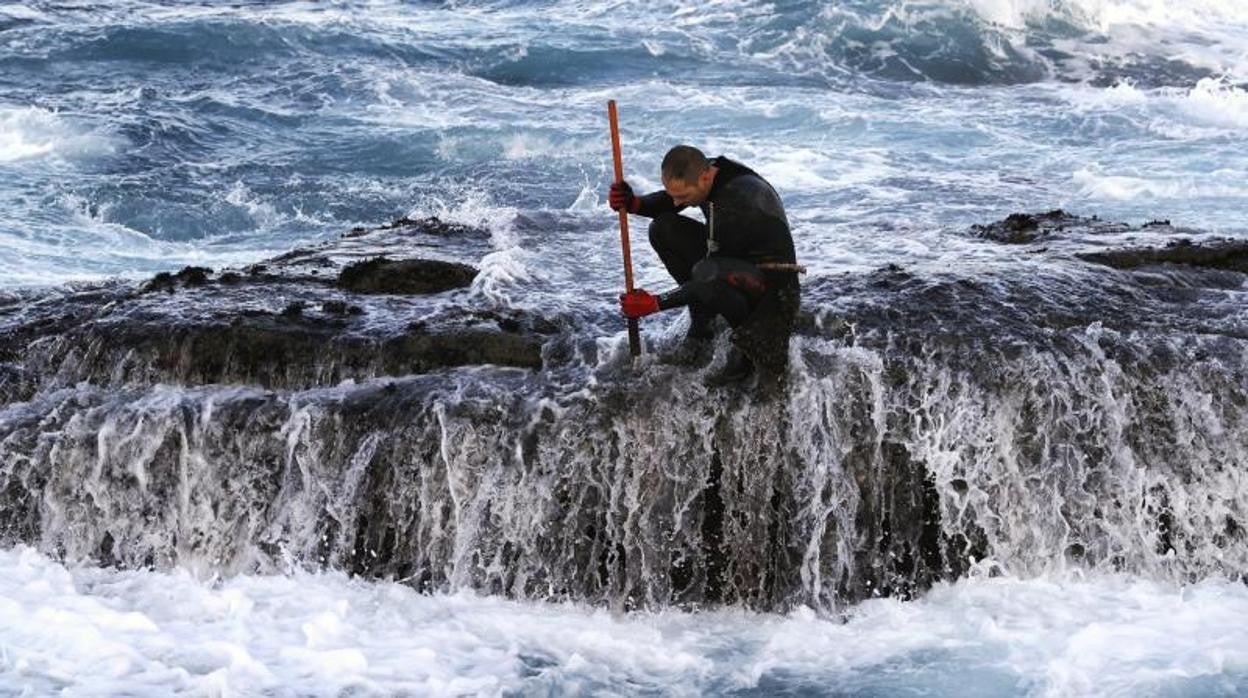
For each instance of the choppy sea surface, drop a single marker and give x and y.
(137, 137)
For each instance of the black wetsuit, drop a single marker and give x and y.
(715, 262)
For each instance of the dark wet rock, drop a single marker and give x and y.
(930, 420)
(418, 351)
(193, 276)
(382, 275)
(277, 325)
(1228, 254)
(188, 277)
(1024, 228)
(163, 281)
(1070, 233)
(291, 349)
(434, 226)
(513, 321)
(430, 226)
(338, 307)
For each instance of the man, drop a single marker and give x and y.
(740, 264)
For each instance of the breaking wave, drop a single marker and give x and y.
(28, 133)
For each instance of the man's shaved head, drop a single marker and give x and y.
(684, 163)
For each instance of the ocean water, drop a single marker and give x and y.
(85, 631)
(138, 137)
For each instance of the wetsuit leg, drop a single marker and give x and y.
(680, 242)
(722, 286)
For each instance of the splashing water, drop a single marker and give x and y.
(324, 634)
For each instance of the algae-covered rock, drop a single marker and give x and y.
(382, 275)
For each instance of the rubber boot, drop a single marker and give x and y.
(736, 369)
(696, 349)
(701, 326)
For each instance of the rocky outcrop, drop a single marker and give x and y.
(1059, 225)
(1225, 254)
(1037, 414)
(381, 275)
(346, 310)
(1025, 228)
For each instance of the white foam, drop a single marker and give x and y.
(1094, 184)
(1106, 15)
(507, 267)
(28, 133)
(522, 146)
(1010, 13)
(92, 631)
(1122, 94)
(1213, 101)
(805, 169)
(1209, 33)
(18, 11)
(536, 146)
(1211, 109)
(87, 245)
(264, 214)
(588, 201)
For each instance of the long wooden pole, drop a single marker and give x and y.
(634, 332)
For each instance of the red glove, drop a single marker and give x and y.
(638, 303)
(621, 198)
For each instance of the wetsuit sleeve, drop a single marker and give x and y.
(656, 204)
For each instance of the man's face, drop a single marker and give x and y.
(689, 193)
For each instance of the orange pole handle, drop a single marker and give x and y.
(634, 332)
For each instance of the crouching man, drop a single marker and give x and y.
(740, 264)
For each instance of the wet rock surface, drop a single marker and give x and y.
(1226, 254)
(1051, 412)
(381, 275)
(309, 317)
(1024, 228)
(1057, 225)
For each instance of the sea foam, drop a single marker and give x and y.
(155, 634)
(28, 133)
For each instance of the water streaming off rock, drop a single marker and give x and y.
(1090, 419)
